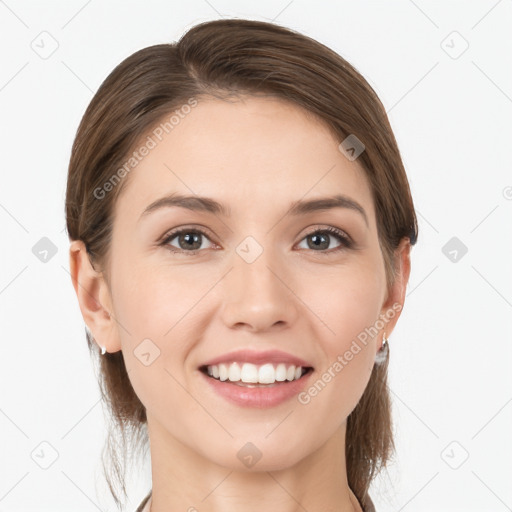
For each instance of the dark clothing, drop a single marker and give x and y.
(144, 501)
(368, 505)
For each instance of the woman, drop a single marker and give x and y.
(241, 224)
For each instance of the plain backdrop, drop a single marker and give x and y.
(442, 71)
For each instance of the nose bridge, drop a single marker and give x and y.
(257, 294)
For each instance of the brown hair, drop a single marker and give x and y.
(225, 58)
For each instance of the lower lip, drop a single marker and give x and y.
(261, 397)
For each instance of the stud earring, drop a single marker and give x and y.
(383, 353)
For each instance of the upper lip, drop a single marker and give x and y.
(258, 357)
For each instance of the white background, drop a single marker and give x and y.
(450, 369)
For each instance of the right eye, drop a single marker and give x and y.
(188, 239)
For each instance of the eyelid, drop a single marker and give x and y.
(330, 230)
(192, 227)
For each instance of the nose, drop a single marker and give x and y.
(259, 296)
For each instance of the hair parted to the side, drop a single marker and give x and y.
(223, 58)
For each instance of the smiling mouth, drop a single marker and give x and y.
(305, 371)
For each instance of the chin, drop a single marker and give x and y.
(256, 456)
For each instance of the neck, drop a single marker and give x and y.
(185, 480)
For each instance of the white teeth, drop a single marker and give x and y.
(251, 373)
(281, 372)
(234, 372)
(266, 374)
(223, 372)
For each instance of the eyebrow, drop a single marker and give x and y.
(297, 208)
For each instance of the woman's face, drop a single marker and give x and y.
(264, 277)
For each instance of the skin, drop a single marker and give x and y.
(255, 155)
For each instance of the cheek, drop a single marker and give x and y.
(348, 302)
(347, 334)
(159, 309)
(150, 300)
(151, 310)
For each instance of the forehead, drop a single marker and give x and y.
(252, 151)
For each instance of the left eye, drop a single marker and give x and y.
(189, 240)
(319, 236)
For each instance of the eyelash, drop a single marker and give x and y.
(345, 240)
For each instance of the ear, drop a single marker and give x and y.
(93, 297)
(394, 303)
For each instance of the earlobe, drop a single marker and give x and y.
(93, 296)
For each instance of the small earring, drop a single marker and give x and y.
(103, 350)
(383, 353)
